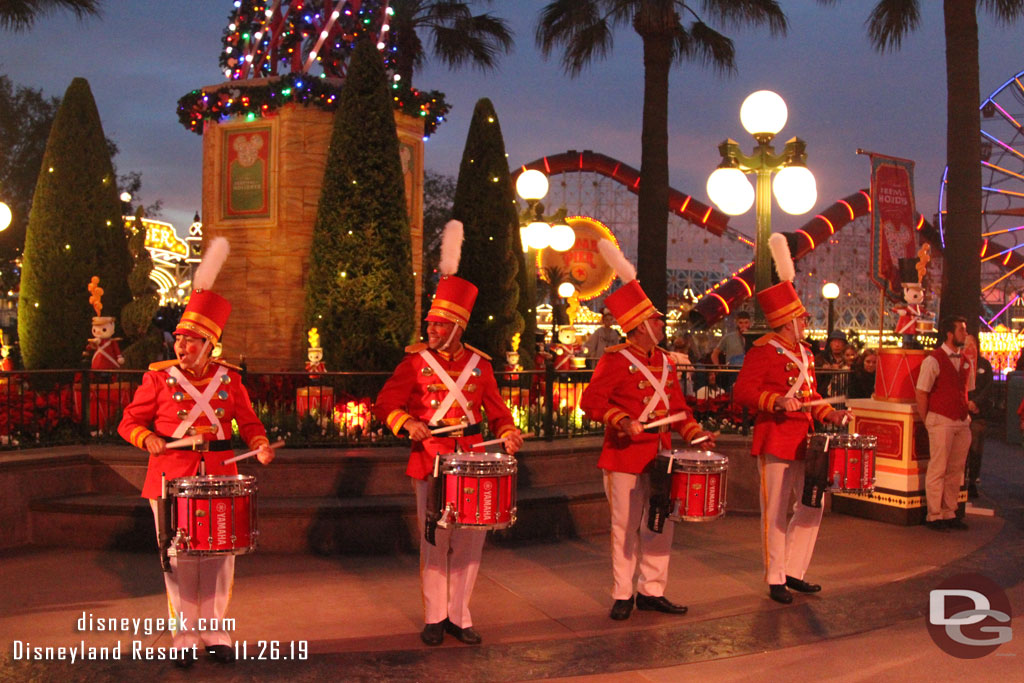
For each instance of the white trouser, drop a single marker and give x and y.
(787, 548)
(948, 444)
(198, 590)
(448, 570)
(632, 542)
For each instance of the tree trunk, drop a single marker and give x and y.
(652, 203)
(961, 287)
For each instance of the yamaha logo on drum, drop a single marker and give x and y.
(487, 499)
(221, 519)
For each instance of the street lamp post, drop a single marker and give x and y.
(763, 114)
(830, 291)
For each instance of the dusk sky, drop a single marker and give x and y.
(141, 56)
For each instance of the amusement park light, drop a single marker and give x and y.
(126, 196)
(795, 190)
(566, 290)
(730, 190)
(562, 237)
(5, 216)
(532, 185)
(537, 235)
(830, 290)
(763, 113)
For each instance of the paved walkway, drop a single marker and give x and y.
(542, 608)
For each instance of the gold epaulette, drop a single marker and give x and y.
(229, 366)
(617, 347)
(477, 351)
(415, 348)
(163, 364)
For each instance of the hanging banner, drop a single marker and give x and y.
(582, 265)
(893, 217)
(246, 168)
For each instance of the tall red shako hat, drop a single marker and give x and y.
(206, 311)
(780, 302)
(453, 302)
(629, 304)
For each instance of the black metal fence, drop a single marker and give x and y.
(55, 407)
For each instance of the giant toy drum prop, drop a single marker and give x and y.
(698, 484)
(477, 490)
(896, 374)
(842, 463)
(214, 514)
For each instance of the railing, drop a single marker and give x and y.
(56, 407)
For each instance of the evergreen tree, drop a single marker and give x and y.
(74, 232)
(145, 339)
(360, 288)
(485, 204)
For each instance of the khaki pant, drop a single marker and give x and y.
(948, 443)
(787, 547)
(633, 544)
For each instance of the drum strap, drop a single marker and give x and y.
(802, 364)
(202, 405)
(659, 386)
(454, 386)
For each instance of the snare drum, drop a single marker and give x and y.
(477, 490)
(851, 461)
(214, 514)
(698, 484)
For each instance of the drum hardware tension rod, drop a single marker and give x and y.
(494, 441)
(276, 444)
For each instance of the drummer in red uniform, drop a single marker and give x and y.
(195, 395)
(776, 379)
(634, 383)
(442, 383)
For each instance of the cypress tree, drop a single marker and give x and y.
(146, 340)
(75, 231)
(485, 204)
(360, 287)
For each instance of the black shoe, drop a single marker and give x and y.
(225, 654)
(972, 491)
(621, 609)
(778, 593)
(433, 634)
(802, 586)
(937, 525)
(188, 658)
(956, 523)
(464, 635)
(658, 604)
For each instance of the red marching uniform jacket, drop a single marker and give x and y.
(104, 354)
(618, 390)
(159, 406)
(414, 392)
(768, 374)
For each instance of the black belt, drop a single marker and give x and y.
(204, 445)
(468, 430)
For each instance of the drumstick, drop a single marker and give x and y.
(699, 439)
(451, 428)
(243, 456)
(187, 442)
(666, 420)
(822, 401)
(494, 441)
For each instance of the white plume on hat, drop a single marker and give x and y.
(451, 248)
(617, 260)
(779, 247)
(214, 255)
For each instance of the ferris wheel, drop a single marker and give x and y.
(1002, 187)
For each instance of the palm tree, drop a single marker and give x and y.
(458, 36)
(887, 24)
(20, 15)
(584, 29)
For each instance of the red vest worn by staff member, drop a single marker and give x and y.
(948, 396)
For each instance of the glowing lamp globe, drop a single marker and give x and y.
(830, 291)
(566, 289)
(5, 216)
(730, 190)
(538, 235)
(126, 197)
(795, 190)
(763, 113)
(562, 237)
(532, 185)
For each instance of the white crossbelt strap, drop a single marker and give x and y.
(802, 365)
(202, 401)
(454, 386)
(101, 350)
(659, 387)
